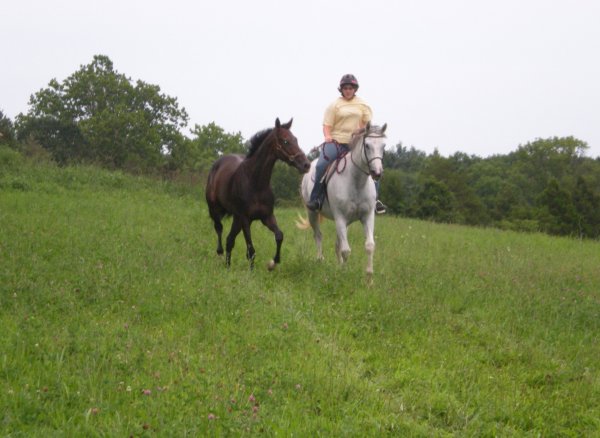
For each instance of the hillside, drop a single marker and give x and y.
(119, 319)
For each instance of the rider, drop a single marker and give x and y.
(344, 116)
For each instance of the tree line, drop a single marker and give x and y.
(99, 116)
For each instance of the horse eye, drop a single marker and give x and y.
(285, 142)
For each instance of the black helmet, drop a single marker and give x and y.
(348, 79)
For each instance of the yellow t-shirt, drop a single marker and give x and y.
(345, 116)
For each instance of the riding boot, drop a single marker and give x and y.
(316, 196)
(329, 153)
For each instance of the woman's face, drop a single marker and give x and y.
(348, 91)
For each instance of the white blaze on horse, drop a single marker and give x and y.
(350, 193)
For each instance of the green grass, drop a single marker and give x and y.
(119, 319)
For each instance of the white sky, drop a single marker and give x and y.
(475, 76)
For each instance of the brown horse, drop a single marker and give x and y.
(241, 187)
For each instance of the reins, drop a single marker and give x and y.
(287, 156)
(341, 153)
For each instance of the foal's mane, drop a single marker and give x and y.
(256, 140)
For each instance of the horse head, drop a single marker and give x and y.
(287, 148)
(370, 140)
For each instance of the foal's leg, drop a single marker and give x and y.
(216, 218)
(219, 230)
(271, 224)
(249, 247)
(236, 227)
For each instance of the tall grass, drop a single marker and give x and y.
(119, 319)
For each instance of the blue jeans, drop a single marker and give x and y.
(329, 153)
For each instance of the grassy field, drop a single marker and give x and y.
(118, 319)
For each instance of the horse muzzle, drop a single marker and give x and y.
(303, 166)
(376, 174)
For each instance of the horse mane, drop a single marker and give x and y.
(256, 140)
(375, 129)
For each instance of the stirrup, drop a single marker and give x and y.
(380, 208)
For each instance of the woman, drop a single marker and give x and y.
(343, 117)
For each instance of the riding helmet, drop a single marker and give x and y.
(348, 79)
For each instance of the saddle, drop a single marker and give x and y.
(336, 166)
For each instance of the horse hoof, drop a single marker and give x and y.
(271, 265)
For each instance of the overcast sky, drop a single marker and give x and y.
(474, 76)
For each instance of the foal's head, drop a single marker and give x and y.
(286, 147)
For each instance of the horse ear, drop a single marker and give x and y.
(277, 123)
(368, 127)
(288, 125)
(383, 128)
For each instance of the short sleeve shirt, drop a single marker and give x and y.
(345, 116)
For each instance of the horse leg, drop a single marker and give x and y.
(219, 230)
(216, 218)
(342, 248)
(236, 227)
(271, 224)
(313, 218)
(369, 228)
(249, 247)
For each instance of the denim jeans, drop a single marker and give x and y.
(329, 153)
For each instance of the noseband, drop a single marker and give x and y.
(364, 150)
(289, 157)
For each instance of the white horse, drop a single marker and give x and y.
(351, 193)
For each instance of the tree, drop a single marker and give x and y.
(436, 202)
(557, 214)
(545, 159)
(587, 205)
(209, 143)
(285, 182)
(408, 160)
(98, 115)
(7, 130)
(391, 191)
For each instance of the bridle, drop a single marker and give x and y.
(290, 157)
(364, 151)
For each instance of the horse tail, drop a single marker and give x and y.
(303, 224)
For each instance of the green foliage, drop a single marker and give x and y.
(408, 160)
(10, 161)
(391, 189)
(7, 131)
(118, 319)
(510, 192)
(587, 205)
(557, 214)
(98, 115)
(209, 143)
(436, 202)
(285, 183)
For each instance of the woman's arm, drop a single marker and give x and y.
(327, 133)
